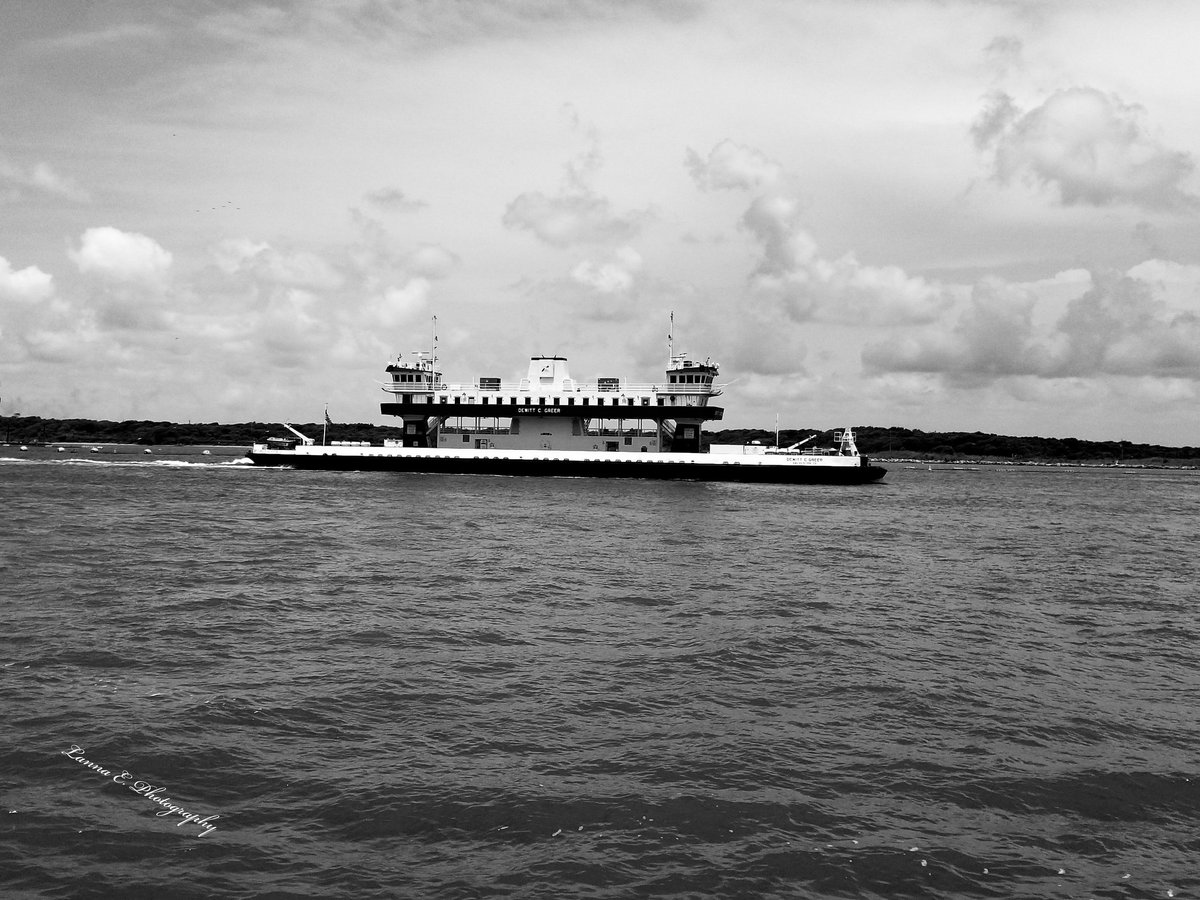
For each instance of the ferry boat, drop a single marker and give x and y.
(550, 424)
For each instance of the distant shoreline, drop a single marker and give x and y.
(895, 445)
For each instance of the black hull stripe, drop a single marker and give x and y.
(616, 468)
(589, 411)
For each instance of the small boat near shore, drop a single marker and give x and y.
(550, 424)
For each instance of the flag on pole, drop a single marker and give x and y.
(328, 421)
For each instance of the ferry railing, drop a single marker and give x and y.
(525, 389)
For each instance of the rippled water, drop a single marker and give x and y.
(957, 683)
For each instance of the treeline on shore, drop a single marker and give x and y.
(877, 442)
(901, 443)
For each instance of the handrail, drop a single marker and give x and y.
(576, 387)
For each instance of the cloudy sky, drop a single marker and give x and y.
(952, 215)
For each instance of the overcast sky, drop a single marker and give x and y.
(957, 215)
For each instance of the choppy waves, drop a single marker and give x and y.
(969, 684)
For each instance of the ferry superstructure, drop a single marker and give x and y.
(549, 410)
(549, 423)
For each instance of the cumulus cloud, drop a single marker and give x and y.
(578, 217)
(615, 286)
(1122, 326)
(27, 285)
(1119, 325)
(731, 166)
(233, 254)
(615, 275)
(1089, 146)
(297, 268)
(576, 214)
(121, 256)
(1177, 282)
(993, 337)
(793, 272)
(294, 303)
(609, 287)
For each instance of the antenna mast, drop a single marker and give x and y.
(670, 341)
(435, 352)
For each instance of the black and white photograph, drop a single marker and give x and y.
(599, 449)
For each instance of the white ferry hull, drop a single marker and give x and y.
(774, 468)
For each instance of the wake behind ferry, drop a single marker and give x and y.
(550, 424)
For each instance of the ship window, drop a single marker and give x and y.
(672, 379)
(662, 402)
(599, 401)
(570, 401)
(629, 442)
(645, 401)
(441, 399)
(466, 438)
(485, 399)
(556, 401)
(541, 401)
(630, 402)
(458, 400)
(528, 401)
(406, 398)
